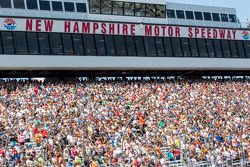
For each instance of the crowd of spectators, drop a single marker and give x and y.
(110, 123)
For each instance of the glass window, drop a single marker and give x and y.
(190, 15)
(94, 6)
(198, 15)
(225, 48)
(67, 44)
(7, 41)
(193, 47)
(224, 17)
(150, 46)
(150, 10)
(44, 5)
(109, 41)
(233, 48)
(56, 44)
(99, 41)
(5, 3)
(170, 13)
(217, 47)
(160, 11)
(129, 8)
(168, 47)
(210, 47)
(19, 4)
(78, 44)
(89, 45)
(180, 14)
(140, 9)
(240, 49)
(130, 43)
(247, 48)
(140, 49)
(81, 7)
(57, 6)
(44, 43)
(185, 47)
(106, 7)
(159, 46)
(176, 42)
(207, 16)
(20, 43)
(69, 6)
(120, 45)
(117, 8)
(1, 49)
(232, 18)
(202, 47)
(216, 16)
(31, 4)
(33, 43)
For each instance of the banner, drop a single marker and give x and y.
(108, 28)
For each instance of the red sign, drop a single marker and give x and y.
(87, 27)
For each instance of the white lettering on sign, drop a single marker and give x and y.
(87, 27)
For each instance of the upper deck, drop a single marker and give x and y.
(120, 35)
(132, 11)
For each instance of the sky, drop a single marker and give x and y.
(242, 6)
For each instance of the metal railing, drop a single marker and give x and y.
(173, 163)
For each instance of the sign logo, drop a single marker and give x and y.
(9, 24)
(245, 35)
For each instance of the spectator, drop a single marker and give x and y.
(74, 123)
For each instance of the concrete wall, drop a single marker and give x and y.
(42, 62)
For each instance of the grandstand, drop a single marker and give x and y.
(127, 83)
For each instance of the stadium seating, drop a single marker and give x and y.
(125, 123)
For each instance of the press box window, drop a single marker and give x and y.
(31, 4)
(232, 18)
(129, 8)
(190, 15)
(69, 6)
(89, 45)
(120, 45)
(117, 8)
(106, 7)
(5, 3)
(94, 6)
(198, 15)
(7, 42)
(160, 11)
(20, 43)
(207, 16)
(57, 6)
(140, 9)
(224, 17)
(100, 43)
(44, 5)
(81, 7)
(109, 41)
(176, 43)
(216, 16)
(130, 45)
(78, 44)
(43, 40)
(19, 4)
(180, 14)
(150, 46)
(33, 43)
(150, 10)
(67, 44)
(56, 43)
(170, 13)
